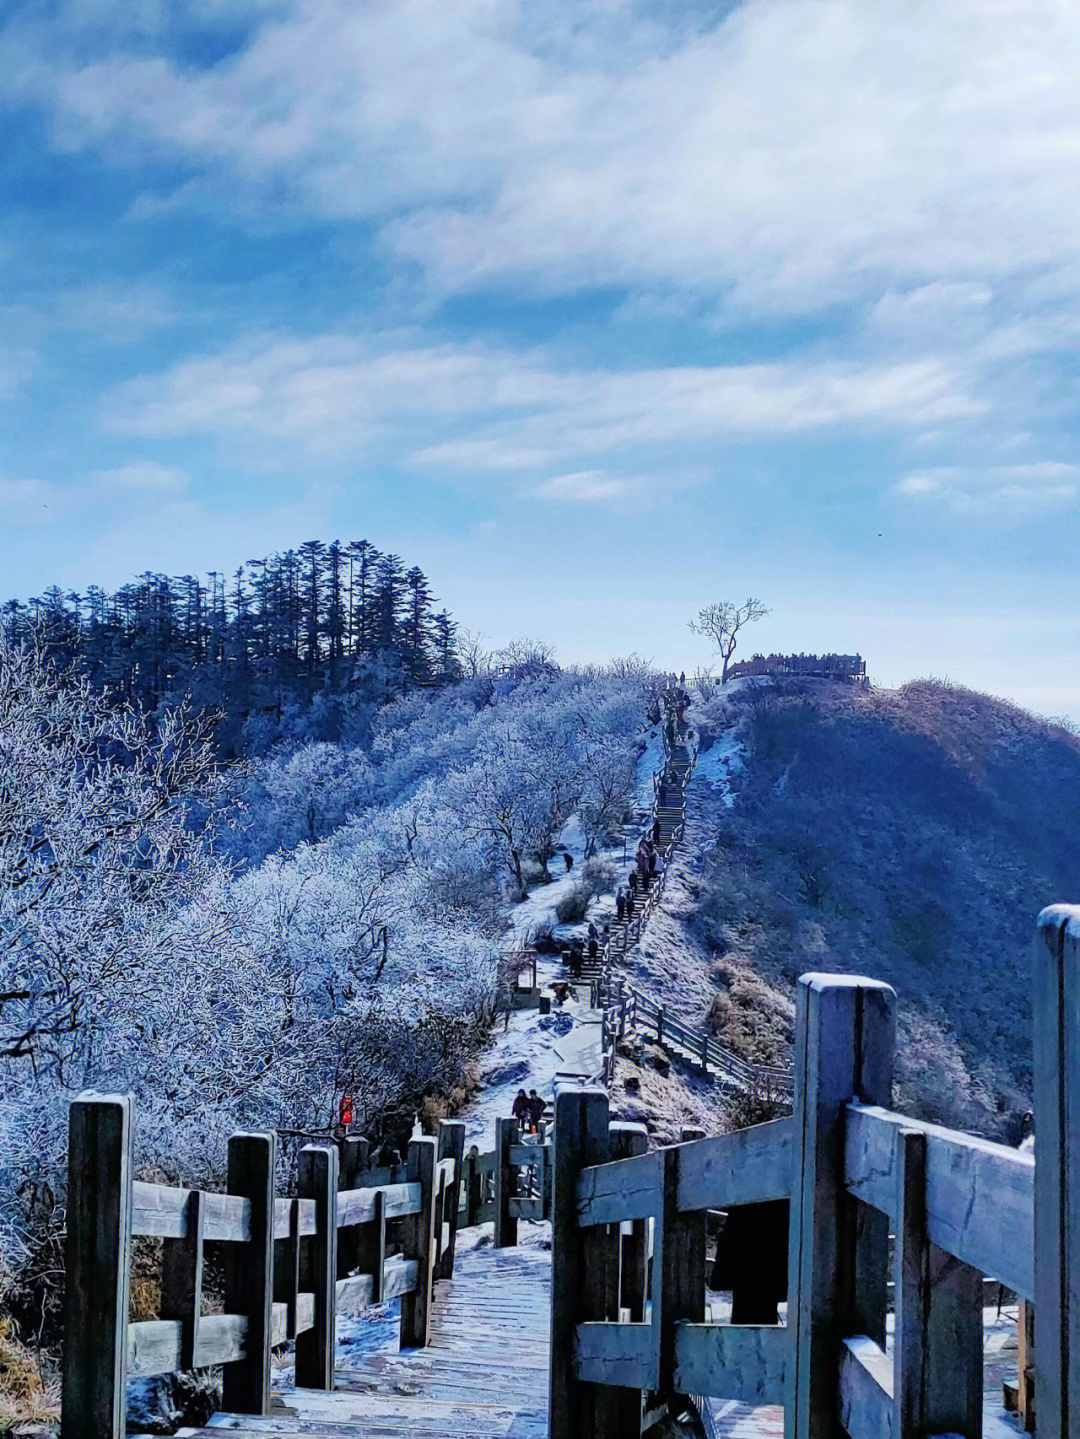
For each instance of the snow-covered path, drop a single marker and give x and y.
(535, 1048)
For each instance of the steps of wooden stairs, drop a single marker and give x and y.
(484, 1375)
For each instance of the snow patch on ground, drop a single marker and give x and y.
(650, 763)
(531, 1052)
(719, 764)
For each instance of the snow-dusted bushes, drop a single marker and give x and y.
(355, 948)
(912, 835)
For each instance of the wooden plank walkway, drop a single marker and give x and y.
(484, 1375)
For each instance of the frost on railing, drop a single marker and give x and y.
(351, 1236)
(631, 1324)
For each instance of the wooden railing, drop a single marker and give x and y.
(630, 1327)
(351, 1236)
(631, 1011)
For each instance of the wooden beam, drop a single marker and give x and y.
(617, 1355)
(866, 1408)
(181, 1280)
(679, 1274)
(452, 1147)
(938, 1343)
(160, 1211)
(619, 1190)
(747, 1362)
(581, 1139)
(418, 1243)
(1057, 1173)
(747, 1166)
(975, 1190)
(317, 1180)
(844, 1051)
(506, 1136)
(249, 1269)
(97, 1267)
(355, 1157)
(357, 1206)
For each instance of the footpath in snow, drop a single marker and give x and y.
(535, 1047)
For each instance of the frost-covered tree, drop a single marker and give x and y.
(722, 622)
(96, 849)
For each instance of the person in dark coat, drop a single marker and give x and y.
(520, 1111)
(620, 905)
(569, 858)
(594, 947)
(536, 1111)
(632, 882)
(656, 831)
(630, 903)
(652, 861)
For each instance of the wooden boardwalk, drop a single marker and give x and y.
(484, 1375)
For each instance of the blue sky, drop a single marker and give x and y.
(598, 311)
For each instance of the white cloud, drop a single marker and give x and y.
(473, 408)
(994, 491)
(796, 153)
(140, 477)
(482, 455)
(587, 487)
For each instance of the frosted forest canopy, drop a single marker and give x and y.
(268, 640)
(239, 941)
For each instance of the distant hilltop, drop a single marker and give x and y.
(851, 669)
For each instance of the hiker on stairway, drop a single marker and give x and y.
(594, 945)
(536, 1111)
(620, 905)
(656, 831)
(652, 859)
(520, 1111)
(630, 897)
(632, 882)
(642, 861)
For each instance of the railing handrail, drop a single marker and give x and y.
(850, 1168)
(331, 1240)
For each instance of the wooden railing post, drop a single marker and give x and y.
(420, 1245)
(97, 1267)
(371, 1247)
(938, 1343)
(355, 1158)
(451, 1146)
(838, 1258)
(627, 1140)
(249, 1272)
(474, 1187)
(181, 1279)
(681, 1280)
(581, 1139)
(317, 1179)
(1057, 1173)
(506, 1227)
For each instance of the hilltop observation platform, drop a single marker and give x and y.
(844, 669)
